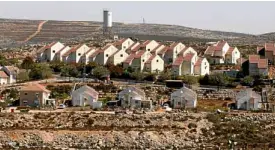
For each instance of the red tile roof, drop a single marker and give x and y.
(129, 59)
(211, 50)
(259, 48)
(136, 48)
(73, 49)
(46, 47)
(140, 53)
(34, 87)
(150, 59)
(61, 50)
(230, 50)
(3, 74)
(94, 54)
(253, 58)
(188, 57)
(269, 46)
(199, 61)
(179, 60)
(220, 45)
(262, 64)
(154, 50)
(164, 50)
(146, 42)
(173, 45)
(117, 43)
(183, 50)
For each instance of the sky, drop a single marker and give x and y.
(245, 17)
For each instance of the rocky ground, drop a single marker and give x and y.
(135, 131)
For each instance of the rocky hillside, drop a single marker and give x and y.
(135, 131)
(14, 31)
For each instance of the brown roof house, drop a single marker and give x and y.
(257, 66)
(3, 78)
(268, 52)
(12, 72)
(222, 53)
(84, 96)
(48, 52)
(248, 99)
(35, 95)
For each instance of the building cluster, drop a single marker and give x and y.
(35, 95)
(8, 74)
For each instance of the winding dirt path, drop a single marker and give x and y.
(39, 28)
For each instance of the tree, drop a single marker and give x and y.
(40, 71)
(100, 72)
(27, 63)
(248, 80)
(218, 79)
(164, 76)
(191, 80)
(204, 80)
(150, 77)
(115, 70)
(23, 76)
(137, 75)
(57, 66)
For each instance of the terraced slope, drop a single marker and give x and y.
(13, 31)
(58, 30)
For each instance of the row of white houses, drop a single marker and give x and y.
(149, 56)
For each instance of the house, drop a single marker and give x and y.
(12, 72)
(158, 49)
(222, 53)
(154, 64)
(101, 56)
(123, 44)
(257, 66)
(202, 66)
(118, 57)
(60, 53)
(133, 97)
(85, 57)
(149, 45)
(185, 62)
(248, 99)
(170, 53)
(47, 53)
(137, 61)
(34, 95)
(75, 53)
(84, 95)
(132, 48)
(268, 52)
(3, 78)
(184, 98)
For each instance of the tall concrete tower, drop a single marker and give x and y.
(107, 22)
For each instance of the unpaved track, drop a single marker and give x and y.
(39, 28)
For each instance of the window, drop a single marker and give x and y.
(129, 43)
(157, 60)
(143, 60)
(136, 102)
(176, 52)
(53, 51)
(79, 54)
(148, 68)
(179, 103)
(121, 55)
(26, 93)
(107, 55)
(148, 49)
(205, 63)
(124, 47)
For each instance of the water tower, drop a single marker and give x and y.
(107, 22)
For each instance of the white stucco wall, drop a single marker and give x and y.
(119, 57)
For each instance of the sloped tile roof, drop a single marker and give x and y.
(46, 47)
(154, 50)
(117, 43)
(130, 58)
(140, 53)
(34, 87)
(230, 50)
(269, 46)
(94, 54)
(253, 58)
(262, 64)
(183, 50)
(3, 74)
(58, 52)
(150, 59)
(188, 57)
(73, 49)
(164, 50)
(179, 60)
(199, 61)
